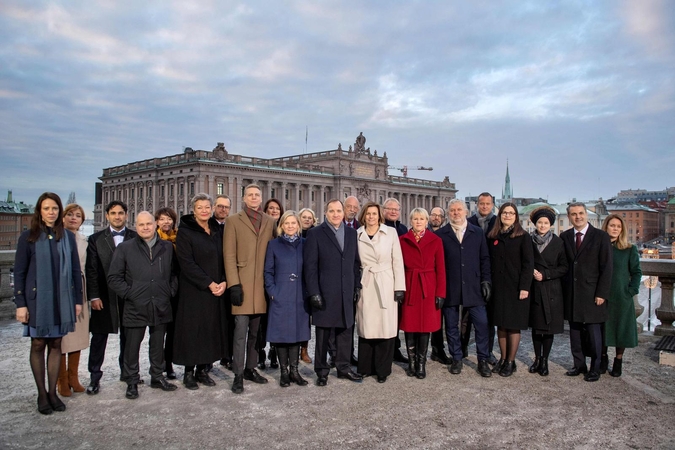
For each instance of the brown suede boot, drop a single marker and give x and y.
(73, 365)
(304, 355)
(62, 383)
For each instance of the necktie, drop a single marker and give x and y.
(350, 225)
(118, 233)
(578, 241)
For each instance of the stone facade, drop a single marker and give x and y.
(299, 181)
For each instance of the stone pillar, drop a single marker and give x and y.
(295, 200)
(666, 313)
(320, 204)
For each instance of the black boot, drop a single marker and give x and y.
(604, 363)
(616, 367)
(294, 357)
(285, 379)
(412, 357)
(273, 357)
(543, 367)
(422, 347)
(261, 359)
(189, 380)
(534, 368)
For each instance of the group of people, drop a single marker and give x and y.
(220, 287)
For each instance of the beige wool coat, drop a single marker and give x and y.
(244, 253)
(382, 273)
(79, 339)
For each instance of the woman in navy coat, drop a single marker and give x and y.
(288, 313)
(47, 293)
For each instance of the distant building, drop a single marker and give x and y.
(643, 195)
(15, 218)
(669, 216)
(299, 181)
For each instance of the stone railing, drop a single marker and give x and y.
(7, 308)
(665, 270)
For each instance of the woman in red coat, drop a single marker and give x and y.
(425, 282)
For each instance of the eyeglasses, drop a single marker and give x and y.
(436, 215)
(508, 213)
(222, 207)
(392, 209)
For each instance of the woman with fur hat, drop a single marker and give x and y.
(546, 305)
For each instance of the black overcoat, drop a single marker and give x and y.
(589, 276)
(512, 264)
(199, 337)
(546, 296)
(99, 256)
(332, 273)
(146, 284)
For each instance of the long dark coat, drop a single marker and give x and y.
(466, 265)
(199, 338)
(99, 256)
(589, 276)
(620, 328)
(512, 264)
(146, 284)
(288, 311)
(424, 266)
(546, 296)
(332, 273)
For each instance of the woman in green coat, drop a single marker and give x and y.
(620, 328)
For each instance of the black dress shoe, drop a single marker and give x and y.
(351, 376)
(507, 369)
(576, 371)
(93, 388)
(44, 407)
(381, 379)
(189, 380)
(456, 367)
(496, 368)
(57, 404)
(438, 355)
(204, 378)
(399, 356)
(238, 384)
(253, 375)
(484, 369)
(162, 384)
(322, 381)
(132, 391)
(592, 376)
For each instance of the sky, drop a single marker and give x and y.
(578, 96)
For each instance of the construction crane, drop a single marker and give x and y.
(404, 169)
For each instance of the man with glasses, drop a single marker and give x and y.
(436, 218)
(221, 210)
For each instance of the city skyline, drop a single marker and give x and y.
(579, 97)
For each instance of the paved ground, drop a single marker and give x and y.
(442, 411)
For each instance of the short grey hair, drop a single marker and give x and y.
(574, 205)
(143, 213)
(419, 211)
(457, 200)
(199, 197)
(391, 199)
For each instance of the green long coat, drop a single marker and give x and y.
(621, 328)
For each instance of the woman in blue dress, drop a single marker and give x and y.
(47, 293)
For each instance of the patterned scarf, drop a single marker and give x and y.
(542, 241)
(255, 217)
(419, 235)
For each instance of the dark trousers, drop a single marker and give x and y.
(243, 349)
(97, 346)
(478, 315)
(594, 335)
(132, 347)
(376, 356)
(228, 330)
(170, 332)
(343, 336)
(466, 331)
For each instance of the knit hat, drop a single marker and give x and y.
(543, 211)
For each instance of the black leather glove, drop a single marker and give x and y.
(236, 295)
(357, 295)
(439, 302)
(316, 302)
(486, 290)
(399, 297)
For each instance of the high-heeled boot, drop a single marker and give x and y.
(304, 355)
(604, 363)
(412, 356)
(62, 383)
(536, 365)
(422, 347)
(294, 374)
(616, 367)
(73, 365)
(543, 367)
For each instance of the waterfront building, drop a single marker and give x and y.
(15, 218)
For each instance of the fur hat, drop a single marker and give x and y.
(543, 211)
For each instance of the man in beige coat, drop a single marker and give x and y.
(244, 246)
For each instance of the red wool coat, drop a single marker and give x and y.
(425, 280)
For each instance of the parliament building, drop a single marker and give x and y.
(299, 181)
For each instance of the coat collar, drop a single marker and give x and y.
(329, 231)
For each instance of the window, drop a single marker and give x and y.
(180, 189)
(132, 192)
(192, 188)
(286, 194)
(171, 190)
(161, 191)
(300, 195)
(140, 192)
(150, 191)
(274, 192)
(312, 195)
(220, 188)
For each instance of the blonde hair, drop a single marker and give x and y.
(285, 216)
(622, 241)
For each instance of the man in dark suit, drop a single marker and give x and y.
(436, 222)
(221, 210)
(332, 278)
(485, 219)
(467, 268)
(586, 288)
(106, 307)
(352, 207)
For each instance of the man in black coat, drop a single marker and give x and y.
(106, 308)
(331, 269)
(142, 272)
(485, 219)
(468, 281)
(586, 287)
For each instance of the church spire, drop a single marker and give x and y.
(507, 192)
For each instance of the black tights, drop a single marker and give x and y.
(47, 394)
(542, 340)
(509, 340)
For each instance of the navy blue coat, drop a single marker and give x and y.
(332, 273)
(288, 311)
(466, 265)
